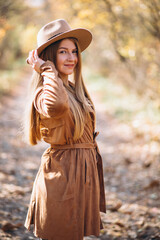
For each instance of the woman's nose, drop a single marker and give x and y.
(71, 56)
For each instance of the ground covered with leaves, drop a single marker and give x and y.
(131, 158)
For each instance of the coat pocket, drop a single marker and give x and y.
(57, 186)
(53, 130)
(59, 177)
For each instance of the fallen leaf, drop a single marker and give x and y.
(127, 161)
(147, 163)
(7, 226)
(140, 222)
(113, 205)
(152, 184)
(119, 223)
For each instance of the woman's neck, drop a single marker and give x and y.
(64, 79)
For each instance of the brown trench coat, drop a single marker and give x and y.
(68, 192)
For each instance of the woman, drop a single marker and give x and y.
(68, 192)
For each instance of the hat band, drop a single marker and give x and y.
(54, 36)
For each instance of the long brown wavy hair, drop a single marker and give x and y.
(79, 100)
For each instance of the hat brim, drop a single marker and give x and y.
(83, 36)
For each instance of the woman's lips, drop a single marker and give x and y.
(69, 65)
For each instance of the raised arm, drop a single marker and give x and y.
(51, 99)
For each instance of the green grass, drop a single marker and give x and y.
(121, 102)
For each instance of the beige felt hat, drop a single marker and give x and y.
(59, 29)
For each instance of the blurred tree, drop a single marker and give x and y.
(13, 22)
(126, 35)
(150, 17)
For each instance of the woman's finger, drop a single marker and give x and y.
(30, 60)
(27, 61)
(33, 54)
(33, 66)
(36, 55)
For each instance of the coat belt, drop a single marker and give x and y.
(75, 146)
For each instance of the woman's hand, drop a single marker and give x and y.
(34, 60)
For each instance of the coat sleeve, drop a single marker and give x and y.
(51, 100)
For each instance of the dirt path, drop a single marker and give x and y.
(130, 168)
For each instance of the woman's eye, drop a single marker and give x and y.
(75, 51)
(63, 51)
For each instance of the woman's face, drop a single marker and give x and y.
(66, 58)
